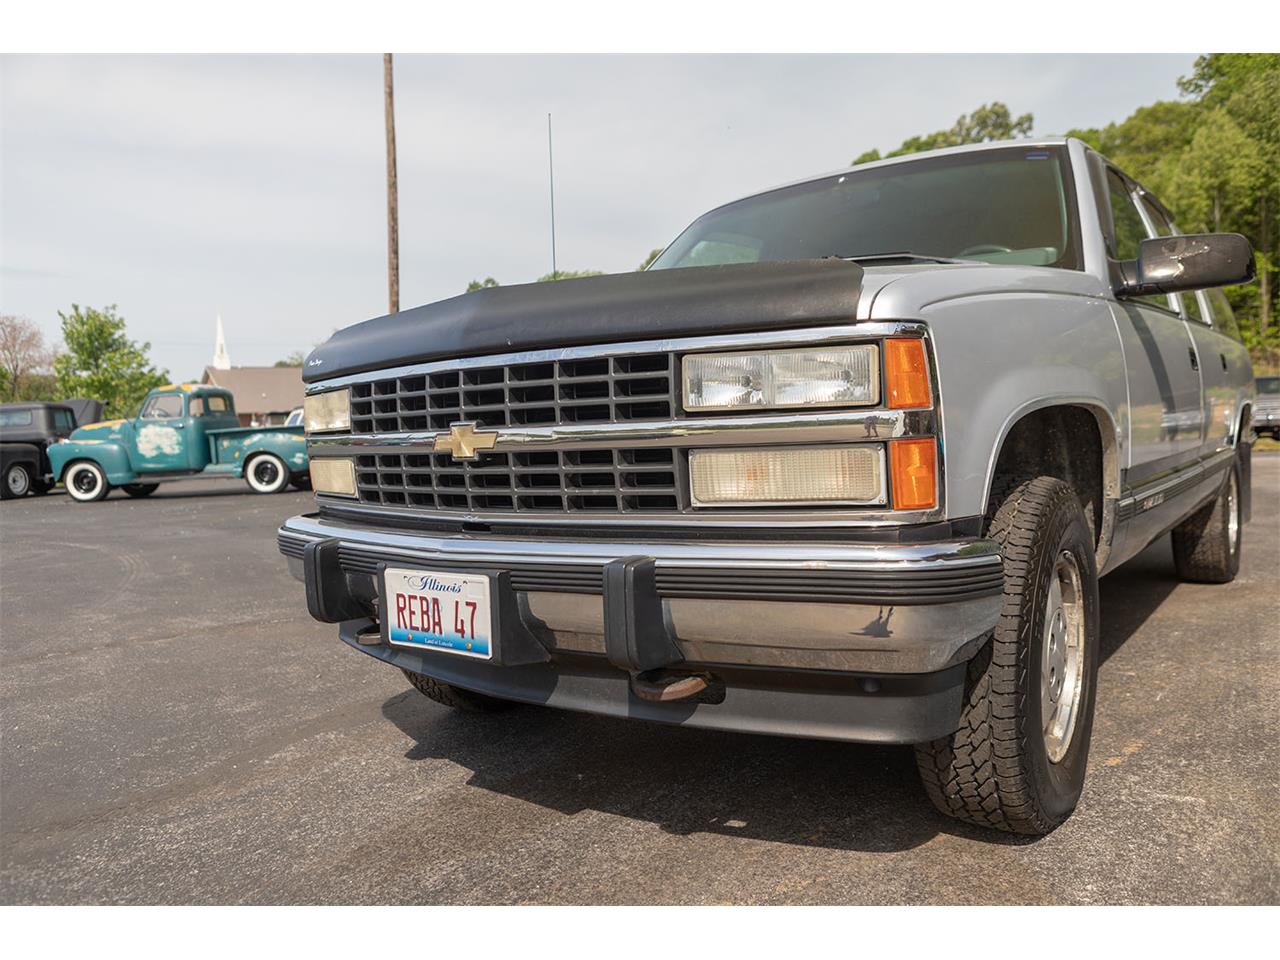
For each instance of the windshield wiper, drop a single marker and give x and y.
(904, 256)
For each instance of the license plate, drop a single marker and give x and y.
(439, 611)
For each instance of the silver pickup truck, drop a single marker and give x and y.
(846, 462)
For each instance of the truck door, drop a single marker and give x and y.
(159, 435)
(1166, 412)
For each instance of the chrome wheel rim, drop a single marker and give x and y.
(17, 481)
(1062, 656)
(1233, 515)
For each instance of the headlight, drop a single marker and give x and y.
(323, 412)
(822, 377)
(783, 475)
(333, 475)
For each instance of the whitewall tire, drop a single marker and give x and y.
(266, 473)
(86, 482)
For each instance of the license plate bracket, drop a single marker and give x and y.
(441, 610)
(511, 641)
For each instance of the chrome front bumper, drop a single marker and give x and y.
(870, 608)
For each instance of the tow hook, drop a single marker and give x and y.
(665, 686)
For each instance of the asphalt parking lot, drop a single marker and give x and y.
(176, 729)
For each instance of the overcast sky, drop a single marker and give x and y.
(183, 187)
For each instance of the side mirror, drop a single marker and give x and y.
(1188, 262)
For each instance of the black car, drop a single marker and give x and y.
(26, 431)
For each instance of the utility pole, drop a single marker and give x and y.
(393, 203)
(551, 179)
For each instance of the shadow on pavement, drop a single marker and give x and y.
(1132, 593)
(812, 793)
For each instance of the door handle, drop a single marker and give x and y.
(1223, 358)
(1195, 361)
(179, 426)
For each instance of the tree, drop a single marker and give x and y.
(481, 284)
(989, 122)
(102, 363)
(22, 354)
(569, 275)
(653, 255)
(295, 359)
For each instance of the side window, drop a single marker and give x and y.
(166, 406)
(195, 407)
(1158, 220)
(1129, 228)
(63, 420)
(1222, 316)
(216, 403)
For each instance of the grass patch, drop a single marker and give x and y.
(1266, 445)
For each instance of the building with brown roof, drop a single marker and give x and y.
(264, 395)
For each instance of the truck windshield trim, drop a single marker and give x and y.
(1007, 205)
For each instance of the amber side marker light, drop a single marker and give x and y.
(906, 373)
(913, 474)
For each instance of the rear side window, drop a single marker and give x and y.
(63, 420)
(15, 418)
(1223, 317)
(216, 403)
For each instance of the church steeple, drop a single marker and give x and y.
(220, 359)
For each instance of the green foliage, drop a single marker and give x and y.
(569, 275)
(295, 359)
(989, 122)
(1214, 160)
(100, 362)
(481, 284)
(653, 255)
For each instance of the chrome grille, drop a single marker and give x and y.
(548, 481)
(547, 393)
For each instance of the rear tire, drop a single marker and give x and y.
(446, 693)
(140, 489)
(16, 482)
(86, 482)
(1017, 762)
(301, 481)
(266, 473)
(1206, 546)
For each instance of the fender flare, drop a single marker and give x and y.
(1110, 434)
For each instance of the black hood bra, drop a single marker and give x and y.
(651, 305)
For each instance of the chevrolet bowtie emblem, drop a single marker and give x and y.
(463, 442)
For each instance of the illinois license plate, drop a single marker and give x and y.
(440, 611)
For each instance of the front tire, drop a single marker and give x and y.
(86, 482)
(16, 482)
(140, 489)
(1017, 761)
(266, 473)
(1206, 546)
(446, 693)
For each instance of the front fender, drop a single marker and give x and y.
(112, 457)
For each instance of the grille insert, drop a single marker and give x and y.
(592, 390)
(565, 481)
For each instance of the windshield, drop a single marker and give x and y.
(1009, 205)
(1270, 385)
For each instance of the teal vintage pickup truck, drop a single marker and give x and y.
(184, 431)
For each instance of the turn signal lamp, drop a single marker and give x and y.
(913, 473)
(906, 374)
